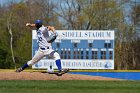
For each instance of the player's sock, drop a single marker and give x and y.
(58, 64)
(24, 66)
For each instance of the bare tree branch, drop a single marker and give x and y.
(9, 25)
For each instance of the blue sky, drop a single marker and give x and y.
(6, 1)
(3, 1)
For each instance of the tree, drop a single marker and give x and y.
(13, 30)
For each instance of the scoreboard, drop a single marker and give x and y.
(80, 49)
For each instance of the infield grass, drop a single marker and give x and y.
(69, 86)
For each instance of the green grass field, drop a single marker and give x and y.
(69, 86)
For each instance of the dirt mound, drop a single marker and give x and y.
(45, 76)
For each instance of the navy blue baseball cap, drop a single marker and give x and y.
(38, 23)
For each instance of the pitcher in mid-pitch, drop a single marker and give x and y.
(45, 49)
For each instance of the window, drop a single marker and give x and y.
(78, 54)
(110, 54)
(103, 54)
(74, 54)
(81, 54)
(90, 45)
(87, 56)
(75, 45)
(94, 54)
(69, 54)
(64, 54)
(87, 52)
(107, 45)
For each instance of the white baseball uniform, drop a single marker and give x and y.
(45, 48)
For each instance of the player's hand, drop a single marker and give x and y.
(28, 24)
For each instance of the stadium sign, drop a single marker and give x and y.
(80, 49)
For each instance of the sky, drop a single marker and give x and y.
(6, 1)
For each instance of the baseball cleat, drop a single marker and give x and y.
(19, 70)
(65, 70)
(60, 73)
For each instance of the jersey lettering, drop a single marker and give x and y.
(39, 35)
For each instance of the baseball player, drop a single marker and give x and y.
(45, 49)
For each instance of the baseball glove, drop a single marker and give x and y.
(52, 37)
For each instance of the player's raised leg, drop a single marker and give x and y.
(38, 56)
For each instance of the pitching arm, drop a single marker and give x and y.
(53, 36)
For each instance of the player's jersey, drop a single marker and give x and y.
(42, 35)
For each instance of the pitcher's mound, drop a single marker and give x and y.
(45, 76)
